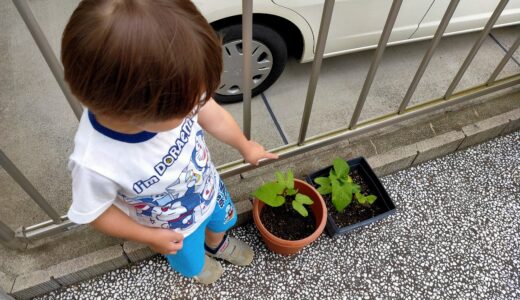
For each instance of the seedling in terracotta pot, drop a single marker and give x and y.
(342, 187)
(278, 192)
(289, 213)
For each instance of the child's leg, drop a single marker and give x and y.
(223, 218)
(191, 260)
(213, 239)
(218, 244)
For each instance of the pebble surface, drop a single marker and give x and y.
(456, 235)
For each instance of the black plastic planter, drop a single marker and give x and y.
(375, 186)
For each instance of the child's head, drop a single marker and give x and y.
(142, 60)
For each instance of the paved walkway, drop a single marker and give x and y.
(456, 235)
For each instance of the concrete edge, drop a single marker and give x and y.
(136, 251)
(438, 146)
(514, 121)
(3, 295)
(6, 283)
(27, 286)
(484, 130)
(393, 160)
(88, 266)
(72, 271)
(68, 272)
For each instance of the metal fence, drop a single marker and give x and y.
(404, 112)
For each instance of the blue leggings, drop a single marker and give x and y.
(189, 261)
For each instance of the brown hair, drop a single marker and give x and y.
(151, 60)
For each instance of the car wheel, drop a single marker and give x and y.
(269, 53)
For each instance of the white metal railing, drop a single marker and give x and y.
(353, 128)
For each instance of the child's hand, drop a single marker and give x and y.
(253, 152)
(165, 241)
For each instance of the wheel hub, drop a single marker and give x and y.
(231, 80)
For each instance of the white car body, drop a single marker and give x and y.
(356, 25)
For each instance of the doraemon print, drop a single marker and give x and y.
(186, 200)
(162, 180)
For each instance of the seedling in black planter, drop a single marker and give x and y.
(276, 193)
(365, 200)
(343, 189)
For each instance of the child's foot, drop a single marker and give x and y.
(211, 271)
(232, 250)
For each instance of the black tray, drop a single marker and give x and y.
(366, 172)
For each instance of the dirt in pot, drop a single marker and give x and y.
(355, 212)
(285, 223)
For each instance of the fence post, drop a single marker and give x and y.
(7, 237)
(381, 46)
(25, 184)
(247, 42)
(41, 41)
(326, 16)
(492, 20)
(504, 61)
(427, 57)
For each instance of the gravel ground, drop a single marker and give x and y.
(456, 235)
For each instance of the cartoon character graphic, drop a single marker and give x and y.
(230, 213)
(222, 195)
(142, 209)
(208, 192)
(187, 198)
(193, 177)
(179, 214)
(198, 175)
(145, 204)
(167, 210)
(200, 155)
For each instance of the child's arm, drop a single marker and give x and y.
(219, 123)
(116, 223)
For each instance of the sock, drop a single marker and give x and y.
(221, 247)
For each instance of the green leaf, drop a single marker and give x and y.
(341, 167)
(279, 201)
(335, 180)
(332, 174)
(291, 192)
(349, 179)
(322, 180)
(269, 193)
(371, 199)
(360, 198)
(325, 187)
(304, 199)
(341, 196)
(300, 208)
(280, 178)
(290, 180)
(355, 188)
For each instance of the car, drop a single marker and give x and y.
(289, 28)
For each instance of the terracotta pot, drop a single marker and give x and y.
(287, 247)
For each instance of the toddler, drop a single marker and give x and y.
(146, 70)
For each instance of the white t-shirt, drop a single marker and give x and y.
(161, 179)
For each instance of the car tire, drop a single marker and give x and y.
(269, 53)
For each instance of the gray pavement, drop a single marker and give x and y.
(37, 126)
(456, 235)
